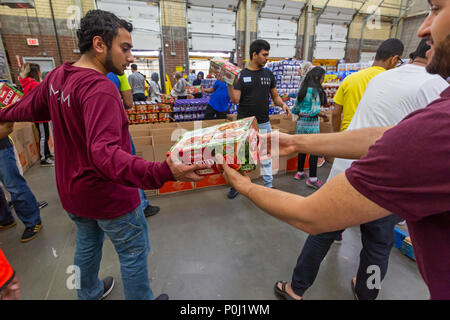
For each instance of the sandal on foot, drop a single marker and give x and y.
(282, 292)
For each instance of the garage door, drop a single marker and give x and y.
(145, 19)
(211, 29)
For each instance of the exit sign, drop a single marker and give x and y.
(33, 42)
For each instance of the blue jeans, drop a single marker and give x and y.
(23, 200)
(377, 239)
(266, 165)
(144, 202)
(129, 235)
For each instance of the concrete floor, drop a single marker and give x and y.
(203, 246)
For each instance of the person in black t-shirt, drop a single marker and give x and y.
(252, 91)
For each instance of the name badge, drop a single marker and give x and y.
(247, 79)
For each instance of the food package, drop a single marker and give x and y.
(194, 89)
(8, 95)
(224, 70)
(236, 141)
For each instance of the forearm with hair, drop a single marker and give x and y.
(350, 144)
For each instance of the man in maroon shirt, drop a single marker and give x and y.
(401, 170)
(96, 175)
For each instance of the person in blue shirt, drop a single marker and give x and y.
(218, 103)
(124, 88)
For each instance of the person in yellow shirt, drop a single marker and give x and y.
(352, 88)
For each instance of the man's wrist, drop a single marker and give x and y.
(247, 189)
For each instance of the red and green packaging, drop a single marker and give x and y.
(224, 70)
(8, 95)
(236, 141)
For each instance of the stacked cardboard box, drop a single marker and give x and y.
(153, 141)
(25, 138)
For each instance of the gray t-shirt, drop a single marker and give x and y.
(137, 82)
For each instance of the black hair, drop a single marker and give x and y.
(389, 48)
(312, 80)
(133, 66)
(99, 23)
(257, 46)
(422, 49)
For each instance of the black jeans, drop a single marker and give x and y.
(139, 97)
(312, 164)
(210, 114)
(377, 239)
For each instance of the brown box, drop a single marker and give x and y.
(289, 125)
(161, 151)
(28, 140)
(232, 117)
(18, 144)
(144, 148)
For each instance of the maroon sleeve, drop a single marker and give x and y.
(103, 126)
(31, 107)
(407, 171)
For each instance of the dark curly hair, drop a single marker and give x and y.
(99, 23)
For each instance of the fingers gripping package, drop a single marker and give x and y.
(236, 142)
(8, 95)
(224, 70)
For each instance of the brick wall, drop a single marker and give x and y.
(16, 45)
(174, 36)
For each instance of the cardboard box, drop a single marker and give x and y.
(175, 186)
(144, 148)
(29, 142)
(288, 124)
(276, 118)
(166, 135)
(210, 181)
(18, 145)
(161, 151)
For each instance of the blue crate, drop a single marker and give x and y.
(407, 249)
(399, 236)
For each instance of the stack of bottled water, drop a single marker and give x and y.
(190, 109)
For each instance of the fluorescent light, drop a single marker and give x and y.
(145, 53)
(209, 54)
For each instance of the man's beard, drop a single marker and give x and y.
(109, 65)
(440, 62)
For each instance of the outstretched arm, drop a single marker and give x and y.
(335, 206)
(351, 144)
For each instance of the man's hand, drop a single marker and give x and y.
(241, 182)
(5, 129)
(286, 109)
(276, 144)
(12, 290)
(184, 172)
